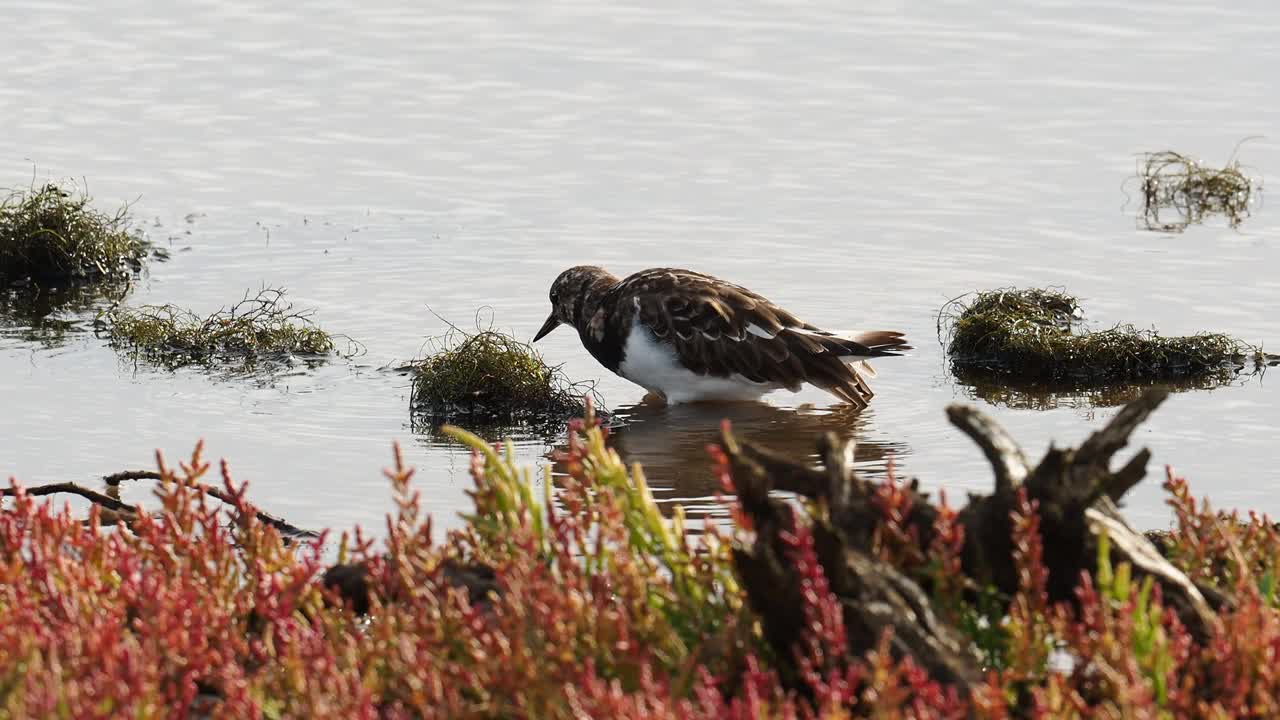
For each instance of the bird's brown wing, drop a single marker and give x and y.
(721, 329)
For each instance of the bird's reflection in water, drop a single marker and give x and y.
(670, 443)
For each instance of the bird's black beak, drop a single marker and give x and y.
(547, 327)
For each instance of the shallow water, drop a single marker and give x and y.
(860, 167)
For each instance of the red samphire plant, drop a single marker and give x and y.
(581, 603)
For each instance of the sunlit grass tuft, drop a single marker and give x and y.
(53, 235)
(491, 376)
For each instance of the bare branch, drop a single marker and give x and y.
(1101, 445)
(92, 496)
(1176, 587)
(1007, 459)
(284, 527)
(1126, 477)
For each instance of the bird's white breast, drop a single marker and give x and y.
(654, 365)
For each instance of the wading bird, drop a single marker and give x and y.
(689, 337)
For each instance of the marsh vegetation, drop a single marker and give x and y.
(862, 599)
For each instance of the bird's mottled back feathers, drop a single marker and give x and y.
(681, 304)
(720, 329)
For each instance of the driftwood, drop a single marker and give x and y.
(93, 496)
(128, 512)
(287, 529)
(874, 595)
(1076, 494)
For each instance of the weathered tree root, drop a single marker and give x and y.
(874, 595)
(1076, 494)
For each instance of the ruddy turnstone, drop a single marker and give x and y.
(687, 337)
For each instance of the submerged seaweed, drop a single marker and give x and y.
(1033, 335)
(52, 234)
(490, 377)
(259, 327)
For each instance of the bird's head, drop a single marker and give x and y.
(569, 295)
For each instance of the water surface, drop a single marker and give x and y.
(860, 166)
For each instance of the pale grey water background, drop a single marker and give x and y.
(860, 166)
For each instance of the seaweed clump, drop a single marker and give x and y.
(1192, 192)
(259, 327)
(1033, 335)
(490, 377)
(52, 235)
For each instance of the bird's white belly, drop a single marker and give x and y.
(653, 365)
